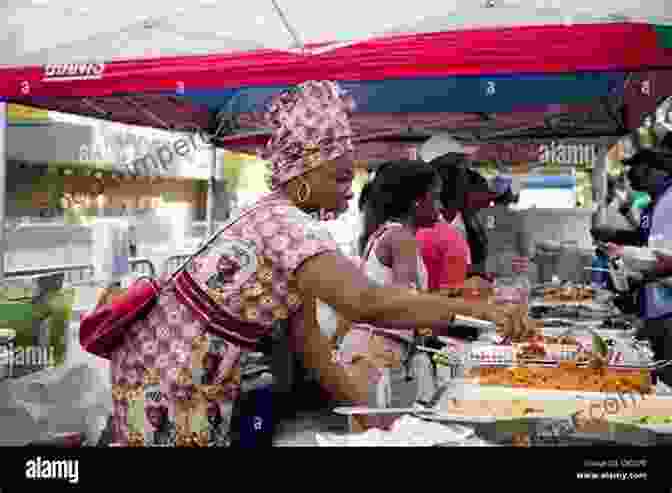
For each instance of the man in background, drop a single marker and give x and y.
(649, 172)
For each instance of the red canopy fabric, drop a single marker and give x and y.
(519, 50)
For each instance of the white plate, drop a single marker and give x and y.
(406, 431)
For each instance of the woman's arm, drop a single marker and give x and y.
(335, 280)
(318, 353)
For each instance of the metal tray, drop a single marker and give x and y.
(466, 388)
(504, 356)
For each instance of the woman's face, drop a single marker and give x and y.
(331, 185)
(429, 205)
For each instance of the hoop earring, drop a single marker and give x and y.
(303, 191)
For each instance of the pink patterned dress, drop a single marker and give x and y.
(177, 375)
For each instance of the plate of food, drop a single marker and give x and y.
(564, 377)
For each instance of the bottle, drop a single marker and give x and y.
(600, 274)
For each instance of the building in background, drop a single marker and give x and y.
(57, 162)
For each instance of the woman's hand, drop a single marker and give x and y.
(512, 320)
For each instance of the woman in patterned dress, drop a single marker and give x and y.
(263, 272)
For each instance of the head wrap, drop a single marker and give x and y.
(310, 126)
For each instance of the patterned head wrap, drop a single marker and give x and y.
(311, 126)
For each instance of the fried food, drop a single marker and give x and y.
(569, 294)
(532, 351)
(567, 376)
(564, 340)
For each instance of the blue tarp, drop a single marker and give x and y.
(485, 94)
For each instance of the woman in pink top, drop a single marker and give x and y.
(403, 196)
(446, 255)
(176, 373)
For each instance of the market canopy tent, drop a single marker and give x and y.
(503, 76)
(509, 71)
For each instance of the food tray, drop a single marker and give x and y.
(489, 355)
(591, 305)
(578, 311)
(466, 389)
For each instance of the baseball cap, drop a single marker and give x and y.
(442, 144)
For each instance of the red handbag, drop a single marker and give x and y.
(103, 330)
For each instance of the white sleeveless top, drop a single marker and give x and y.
(381, 274)
(378, 273)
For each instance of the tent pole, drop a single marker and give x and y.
(211, 192)
(599, 180)
(3, 184)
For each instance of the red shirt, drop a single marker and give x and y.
(446, 255)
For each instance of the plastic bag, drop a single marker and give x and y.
(65, 399)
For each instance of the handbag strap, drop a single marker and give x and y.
(214, 236)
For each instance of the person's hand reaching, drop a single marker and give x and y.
(512, 320)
